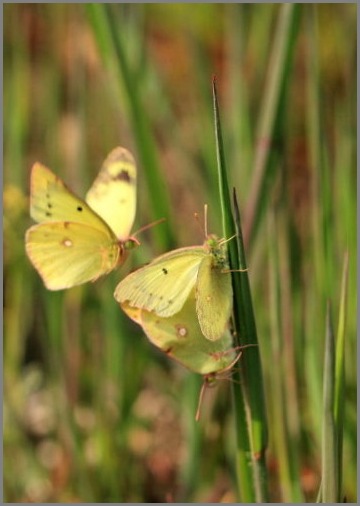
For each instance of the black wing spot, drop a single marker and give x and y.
(49, 205)
(123, 176)
(165, 271)
(79, 208)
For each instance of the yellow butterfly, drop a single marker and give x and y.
(180, 337)
(78, 241)
(164, 285)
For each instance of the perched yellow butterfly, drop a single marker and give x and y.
(164, 285)
(77, 241)
(180, 337)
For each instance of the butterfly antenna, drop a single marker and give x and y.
(206, 220)
(149, 225)
(224, 241)
(201, 397)
(196, 216)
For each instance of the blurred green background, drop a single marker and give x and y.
(93, 412)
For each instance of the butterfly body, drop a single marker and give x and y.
(76, 240)
(164, 285)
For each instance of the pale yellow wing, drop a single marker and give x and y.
(214, 299)
(113, 193)
(52, 200)
(180, 337)
(163, 285)
(67, 254)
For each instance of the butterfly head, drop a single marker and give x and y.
(125, 247)
(216, 248)
(211, 242)
(131, 243)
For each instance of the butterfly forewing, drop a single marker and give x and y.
(213, 299)
(67, 254)
(113, 193)
(164, 285)
(51, 200)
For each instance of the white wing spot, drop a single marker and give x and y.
(67, 243)
(181, 330)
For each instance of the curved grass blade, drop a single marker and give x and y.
(247, 388)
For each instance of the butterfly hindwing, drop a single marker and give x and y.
(67, 254)
(113, 193)
(213, 299)
(180, 337)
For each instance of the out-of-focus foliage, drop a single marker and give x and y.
(92, 412)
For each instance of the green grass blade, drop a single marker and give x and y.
(247, 387)
(329, 478)
(282, 388)
(317, 304)
(271, 113)
(339, 405)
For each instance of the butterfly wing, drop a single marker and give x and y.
(113, 193)
(67, 254)
(163, 285)
(180, 337)
(52, 200)
(213, 299)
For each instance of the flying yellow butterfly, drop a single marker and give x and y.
(164, 285)
(78, 241)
